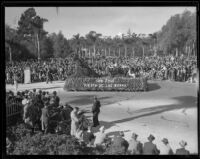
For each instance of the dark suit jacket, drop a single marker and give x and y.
(150, 149)
(45, 115)
(182, 151)
(96, 107)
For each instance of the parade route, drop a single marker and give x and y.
(165, 109)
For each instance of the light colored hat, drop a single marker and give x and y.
(183, 143)
(101, 128)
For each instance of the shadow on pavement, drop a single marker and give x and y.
(153, 86)
(85, 99)
(183, 102)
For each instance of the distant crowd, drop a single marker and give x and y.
(180, 68)
(43, 111)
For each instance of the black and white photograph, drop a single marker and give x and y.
(112, 80)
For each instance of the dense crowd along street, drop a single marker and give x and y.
(172, 68)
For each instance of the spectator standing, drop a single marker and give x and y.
(119, 145)
(45, 118)
(96, 111)
(74, 121)
(165, 149)
(182, 150)
(149, 147)
(135, 147)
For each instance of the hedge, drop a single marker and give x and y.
(106, 84)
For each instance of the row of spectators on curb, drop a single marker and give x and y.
(180, 68)
(40, 108)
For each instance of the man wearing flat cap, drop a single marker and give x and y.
(182, 150)
(96, 110)
(135, 146)
(149, 147)
(165, 149)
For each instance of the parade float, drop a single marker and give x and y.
(86, 79)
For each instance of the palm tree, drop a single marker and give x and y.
(93, 37)
(76, 43)
(37, 25)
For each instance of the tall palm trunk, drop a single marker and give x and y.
(125, 51)
(10, 52)
(94, 51)
(38, 46)
(109, 51)
(119, 52)
(133, 52)
(143, 50)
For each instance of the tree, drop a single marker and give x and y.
(179, 32)
(60, 45)
(30, 26)
(93, 37)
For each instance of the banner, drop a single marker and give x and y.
(27, 75)
(106, 84)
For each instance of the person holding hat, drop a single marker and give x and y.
(119, 144)
(45, 118)
(182, 150)
(74, 121)
(149, 147)
(96, 110)
(135, 146)
(165, 149)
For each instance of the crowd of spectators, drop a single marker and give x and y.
(180, 68)
(39, 108)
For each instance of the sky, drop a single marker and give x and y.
(109, 21)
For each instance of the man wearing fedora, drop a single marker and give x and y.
(149, 147)
(165, 149)
(135, 146)
(119, 144)
(182, 150)
(96, 110)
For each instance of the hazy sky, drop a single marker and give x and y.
(108, 21)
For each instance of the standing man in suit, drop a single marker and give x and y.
(149, 147)
(45, 118)
(96, 110)
(182, 150)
